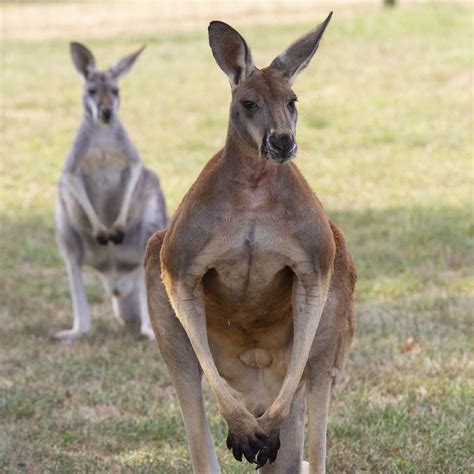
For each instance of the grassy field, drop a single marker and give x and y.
(385, 134)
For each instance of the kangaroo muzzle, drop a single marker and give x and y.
(279, 147)
(105, 114)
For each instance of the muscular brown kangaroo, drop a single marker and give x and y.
(251, 283)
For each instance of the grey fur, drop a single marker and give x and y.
(108, 204)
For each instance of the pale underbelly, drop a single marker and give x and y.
(105, 174)
(250, 330)
(113, 259)
(248, 314)
(105, 180)
(105, 192)
(256, 373)
(119, 267)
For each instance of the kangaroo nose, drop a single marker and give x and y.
(283, 143)
(106, 114)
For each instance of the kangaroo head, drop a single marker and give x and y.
(263, 108)
(100, 92)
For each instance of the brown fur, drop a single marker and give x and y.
(260, 284)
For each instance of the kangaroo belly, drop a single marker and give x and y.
(253, 366)
(250, 327)
(248, 307)
(105, 174)
(119, 266)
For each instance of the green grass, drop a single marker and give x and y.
(385, 135)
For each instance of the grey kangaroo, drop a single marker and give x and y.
(108, 203)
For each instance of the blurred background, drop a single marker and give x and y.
(386, 140)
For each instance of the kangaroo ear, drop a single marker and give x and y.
(230, 52)
(120, 68)
(298, 55)
(82, 58)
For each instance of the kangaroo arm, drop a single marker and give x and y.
(188, 302)
(309, 298)
(135, 171)
(76, 186)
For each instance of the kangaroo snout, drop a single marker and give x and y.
(105, 114)
(281, 146)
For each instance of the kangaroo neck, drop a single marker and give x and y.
(98, 126)
(244, 165)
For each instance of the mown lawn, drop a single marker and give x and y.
(386, 140)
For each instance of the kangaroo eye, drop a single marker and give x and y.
(249, 105)
(292, 103)
(115, 91)
(92, 91)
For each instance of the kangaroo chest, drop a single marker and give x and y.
(103, 165)
(248, 261)
(248, 291)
